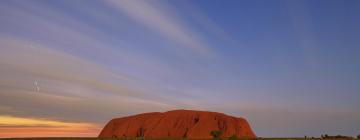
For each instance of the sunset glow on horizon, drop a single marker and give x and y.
(32, 127)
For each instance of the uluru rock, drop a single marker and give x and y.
(177, 124)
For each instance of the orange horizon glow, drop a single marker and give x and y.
(11, 127)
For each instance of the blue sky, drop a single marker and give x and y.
(290, 67)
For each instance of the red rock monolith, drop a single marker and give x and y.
(177, 124)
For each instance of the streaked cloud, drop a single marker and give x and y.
(69, 84)
(46, 63)
(209, 25)
(158, 18)
(301, 20)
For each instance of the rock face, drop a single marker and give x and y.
(177, 124)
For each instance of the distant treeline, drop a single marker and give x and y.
(337, 137)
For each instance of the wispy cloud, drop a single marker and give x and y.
(301, 20)
(67, 84)
(208, 24)
(162, 21)
(69, 61)
(46, 63)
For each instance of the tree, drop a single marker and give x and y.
(216, 134)
(358, 136)
(233, 137)
(245, 138)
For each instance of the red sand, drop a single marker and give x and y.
(177, 124)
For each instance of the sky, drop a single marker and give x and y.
(291, 68)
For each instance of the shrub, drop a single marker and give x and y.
(233, 137)
(216, 134)
(245, 138)
(140, 138)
